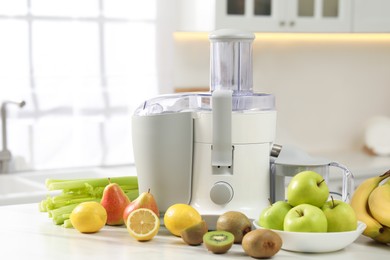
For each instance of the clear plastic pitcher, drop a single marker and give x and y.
(288, 161)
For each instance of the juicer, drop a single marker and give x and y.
(210, 150)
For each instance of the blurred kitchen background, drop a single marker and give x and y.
(82, 67)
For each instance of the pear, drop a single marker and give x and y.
(144, 200)
(114, 200)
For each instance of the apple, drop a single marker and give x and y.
(340, 215)
(144, 200)
(272, 217)
(305, 218)
(307, 187)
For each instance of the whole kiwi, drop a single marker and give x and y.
(261, 243)
(193, 235)
(218, 242)
(236, 223)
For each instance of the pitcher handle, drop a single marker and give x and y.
(348, 181)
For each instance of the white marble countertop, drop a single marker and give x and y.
(26, 233)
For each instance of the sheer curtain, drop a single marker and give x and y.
(82, 67)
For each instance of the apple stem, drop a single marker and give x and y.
(321, 182)
(270, 202)
(332, 201)
(149, 190)
(300, 213)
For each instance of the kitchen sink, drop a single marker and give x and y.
(41, 176)
(18, 190)
(29, 187)
(11, 184)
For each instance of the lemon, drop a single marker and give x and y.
(143, 224)
(88, 217)
(180, 216)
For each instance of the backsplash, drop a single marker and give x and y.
(326, 85)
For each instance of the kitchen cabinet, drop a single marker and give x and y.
(371, 16)
(266, 15)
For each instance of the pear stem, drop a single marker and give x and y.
(149, 190)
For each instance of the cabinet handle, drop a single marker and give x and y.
(292, 23)
(282, 23)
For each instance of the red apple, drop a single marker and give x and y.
(144, 200)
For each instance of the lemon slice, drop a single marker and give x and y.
(143, 224)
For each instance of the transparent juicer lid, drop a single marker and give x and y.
(230, 69)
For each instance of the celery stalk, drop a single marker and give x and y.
(58, 215)
(132, 194)
(53, 184)
(67, 223)
(60, 206)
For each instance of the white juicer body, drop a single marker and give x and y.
(245, 185)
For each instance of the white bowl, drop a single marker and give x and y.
(317, 242)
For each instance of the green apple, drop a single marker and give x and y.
(307, 187)
(305, 218)
(272, 217)
(340, 215)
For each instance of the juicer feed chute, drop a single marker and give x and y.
(210, 150)
(231, 61)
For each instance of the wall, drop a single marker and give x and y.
(326, 86)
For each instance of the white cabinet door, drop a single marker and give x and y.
(252, 15)
(371, 16)
(267, 15)
(319, 15)
(288, 15)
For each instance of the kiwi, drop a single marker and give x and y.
(261, 243)
(193, 235)
(236, 223)
(218, 242)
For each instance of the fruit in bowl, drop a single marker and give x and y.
(272, 217)
(309, 218)
(305, 218)
(307, 187)
(317, 242)
(340, 216)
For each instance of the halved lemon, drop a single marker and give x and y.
(143, 224)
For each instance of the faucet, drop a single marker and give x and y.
(5, 154)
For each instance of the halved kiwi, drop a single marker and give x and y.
(218, 242)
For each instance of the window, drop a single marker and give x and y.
(82, 67)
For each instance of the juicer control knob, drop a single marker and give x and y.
(221, 193)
